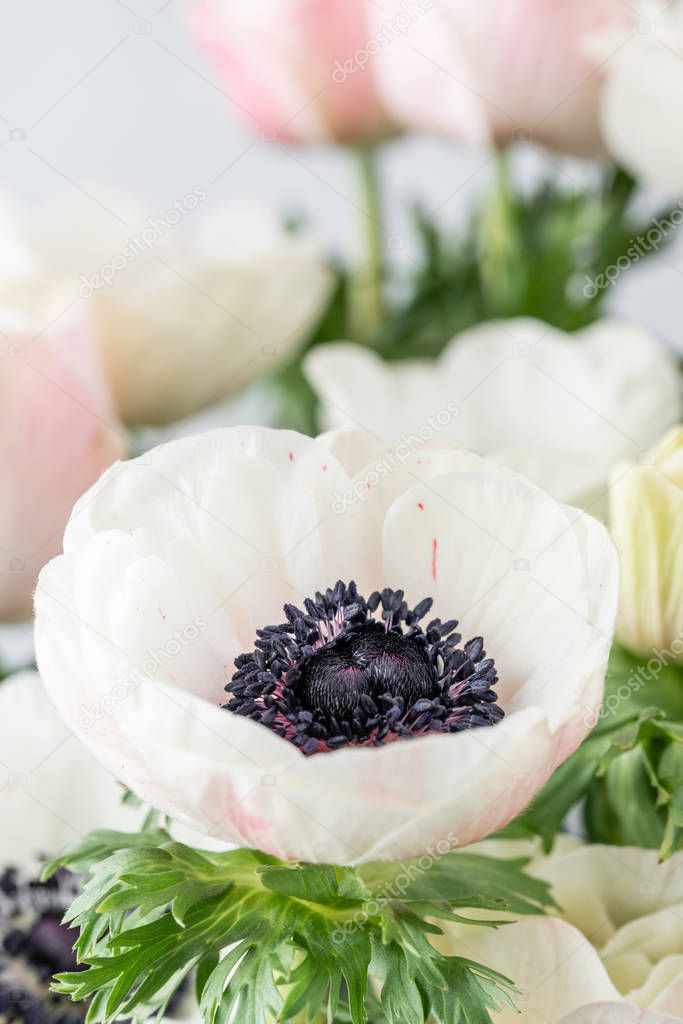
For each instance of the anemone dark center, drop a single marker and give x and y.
(370, 662)
(349, 671)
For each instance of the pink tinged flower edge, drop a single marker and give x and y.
(58, 432)
(283, 68)
(223, 530)
(500, 71)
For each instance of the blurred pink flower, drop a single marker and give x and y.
(285, 66)
(497, 70)
(57, 434)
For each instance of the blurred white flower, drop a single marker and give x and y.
(617, 939)
(190, 305)
(642, 99)
(174, 562)
(52, 791)
(646, 521)
(615, 1013)
(559, 408)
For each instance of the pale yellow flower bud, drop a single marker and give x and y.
(646, 519)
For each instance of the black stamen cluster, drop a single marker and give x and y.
(350, 671)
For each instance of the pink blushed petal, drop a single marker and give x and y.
(59, 432)
(283, 67)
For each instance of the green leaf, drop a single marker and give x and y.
(317, 883)
(628, 770)
(459, 880)
(472, 991)
(276, 941)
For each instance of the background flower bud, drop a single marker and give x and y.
(296, 70)
(646, 518)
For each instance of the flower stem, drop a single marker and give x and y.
(498, 243)
(365, 283)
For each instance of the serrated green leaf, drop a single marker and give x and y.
(149, 914)
(401, 998)
(459, 880)
(316, 883)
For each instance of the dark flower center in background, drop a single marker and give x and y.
(35, 945)
(350, 671)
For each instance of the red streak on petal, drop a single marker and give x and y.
(434, 547)
(324, 469)
(420, 506)
(162, 613)
(291, 456)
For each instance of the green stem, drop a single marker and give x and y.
(498, 243)
(365, 284)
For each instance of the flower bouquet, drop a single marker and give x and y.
(358, 584)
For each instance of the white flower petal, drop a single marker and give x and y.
(663, 989)
(237, 781)
(592, 883)
(615, 1013)
(52, 792)
(255, 513)
(591, 398)
(505, 560)
(641, 100)
(552, 963)
(652, 935)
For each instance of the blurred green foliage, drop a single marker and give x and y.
(628, 773)
(521, 254)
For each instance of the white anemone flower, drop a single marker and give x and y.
(360, 725)
(618, 939)
(560, 408)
